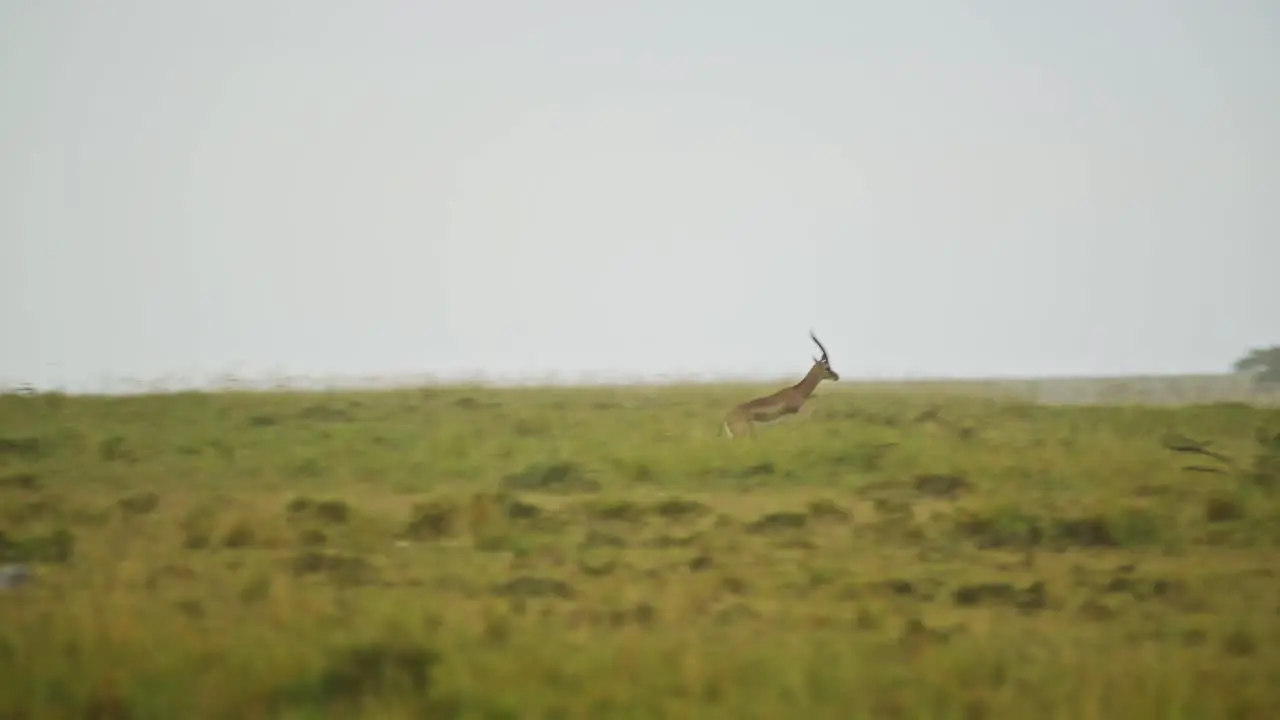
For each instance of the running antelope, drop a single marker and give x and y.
(786, 401)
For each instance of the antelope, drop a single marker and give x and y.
(782, 403)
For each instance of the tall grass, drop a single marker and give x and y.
(472, 553)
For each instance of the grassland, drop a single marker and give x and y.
(475, 553)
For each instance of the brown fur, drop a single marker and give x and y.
(787, 401)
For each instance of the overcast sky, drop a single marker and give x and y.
(984, 188)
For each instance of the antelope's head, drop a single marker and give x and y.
(822, 362)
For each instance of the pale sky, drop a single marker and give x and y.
(518, 188)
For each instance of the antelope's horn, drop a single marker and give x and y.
(818, 343)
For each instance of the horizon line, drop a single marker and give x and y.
(223, 382)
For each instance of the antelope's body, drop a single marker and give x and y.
(787, 401)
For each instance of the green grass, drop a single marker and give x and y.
(475, 553)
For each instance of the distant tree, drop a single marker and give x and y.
(1262, 363)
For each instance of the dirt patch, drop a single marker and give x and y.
(778, 521)
(735, 585)
(699, 563)
(665, 542)
(529, 586)
(342, 569)
(863, 460)
(56, 547)
(368, 672)
(255, 590)
(1240, 643)
(942, 486)
(1085, 532)
(827, 510)
(617, 511)
(240, 535)
(916, 636)
(1223, 509)
(680, 509)
(324, 414)
(25, 448)
(893, 529)
(763, 469)
(599, 539)
(1148, 588)
(520, 510)
(893, 508)
(736, 612)
(143, 503)
(333, 512)
(560, 478)
(43, 507)
(432, 520)
(20, 481)
(1032, 597)
(312, 537)
(597, 568)
(166, 574)
(903, 589)
(1011, 528)
(1096, 611)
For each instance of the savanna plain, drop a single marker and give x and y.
(602, 553)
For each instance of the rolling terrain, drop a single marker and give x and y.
(466, 552)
